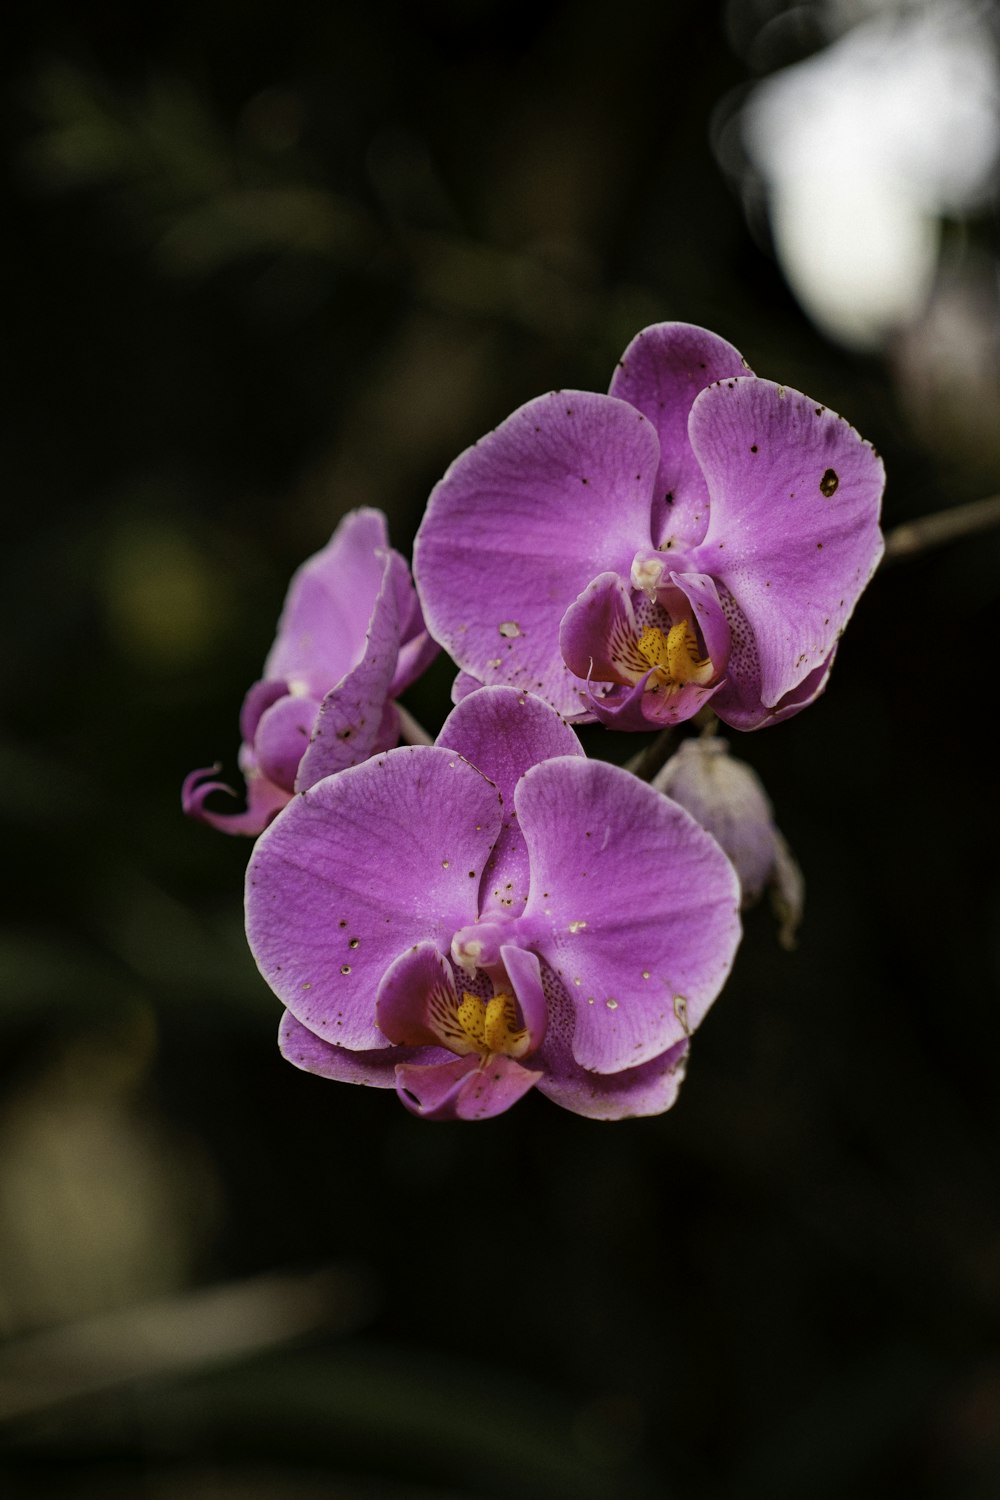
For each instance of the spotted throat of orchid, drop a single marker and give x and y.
(697, 534)
(468, 921)
(653, 650)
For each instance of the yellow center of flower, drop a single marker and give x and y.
(483, 1026)
(674, 655)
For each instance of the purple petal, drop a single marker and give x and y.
(465, 1088)
(357, 870)
(626, 708)
(560, 492)
(661, 372)
(259, 698)
(503, 732)
(347, 729)
(376, 1068)
(416, 649)
(650, 1089)
(524, 972)
(632, 904)
(282, 738)
(598, 633)
(464, 684)
(408, 992)
(793, 532)
(738, 701)
(264, 802)
(321, 633)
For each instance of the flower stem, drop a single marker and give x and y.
(651, 757)
(410, 731)
(914, 537)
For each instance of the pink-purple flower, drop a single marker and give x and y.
(699, 534)
(350, 639)
(469, 920)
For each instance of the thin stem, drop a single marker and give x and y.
(914, 537)
(411, 732)
(651, 757)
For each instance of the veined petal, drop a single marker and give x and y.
(598, 633)
(560, 492)
(347, 728)
(464, 1088)
(415, 991)
(299, 1046)
(649, 1089)
(325, 619)
(503, 732)
(739, 700)
(661, 372)
(416, 648)
(631, 903)
(357, 870)
(793, 532)
(524, 972)
(282, 737)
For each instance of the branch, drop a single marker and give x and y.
(914, 537)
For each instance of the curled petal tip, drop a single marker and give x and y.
(264, 802)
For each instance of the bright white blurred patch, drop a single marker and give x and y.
(863, 148)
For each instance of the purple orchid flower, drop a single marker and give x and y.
(467, 920)
(350, 638)
(696, 534)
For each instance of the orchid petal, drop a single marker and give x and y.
(416, 648)
(521, 523)
(524, 972)
(631, 903)
(347, 728)
(258, 700)
(407, 993)
(738, 701)
(357, 870)
(649, 1089)
(661, 372)
(598, 633)
(793, 532)
(282, 737)
(465, 1088)
(463, 685)
(299, 1046)
(325, 618)
(264, 802)
(503, 732)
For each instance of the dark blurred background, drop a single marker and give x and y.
(264, 264)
